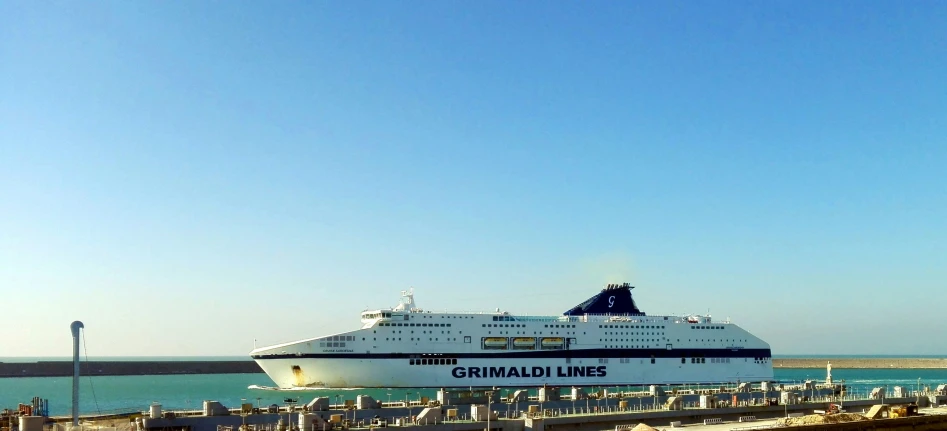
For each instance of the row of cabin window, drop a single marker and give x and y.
(439, 325)
(622, 360)
(518, 325)
(339, 338)
(683, 360)
(433, 361)
(607, 346)
(332, 344)
(707, 327)
(633, 326)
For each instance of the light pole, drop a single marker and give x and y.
(842, 401)
(489, 399)
(508, 403)
(407, 403)
(918, 391)
(243, 414)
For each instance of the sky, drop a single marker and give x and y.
(188, 178)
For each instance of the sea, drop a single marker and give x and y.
(115, 394)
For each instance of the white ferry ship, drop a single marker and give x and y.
(604, 341)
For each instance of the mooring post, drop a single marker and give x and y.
(75, 326)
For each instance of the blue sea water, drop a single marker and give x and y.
(114, 393)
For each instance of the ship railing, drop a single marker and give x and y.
(592, 317)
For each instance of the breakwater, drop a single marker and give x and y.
(126, 368)
(861, 363)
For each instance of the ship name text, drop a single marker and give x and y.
(509, 372)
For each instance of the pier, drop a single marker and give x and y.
(125, 368)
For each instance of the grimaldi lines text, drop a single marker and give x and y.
(605, 340)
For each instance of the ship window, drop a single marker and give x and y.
(411, 361)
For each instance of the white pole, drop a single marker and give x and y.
(75, 326)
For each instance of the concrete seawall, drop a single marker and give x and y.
(860, 362)
(126, 368)
(139, 368)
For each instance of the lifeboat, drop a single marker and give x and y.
(494, 343)
(552, 343)
(524, 343)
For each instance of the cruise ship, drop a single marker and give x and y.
(604, 341)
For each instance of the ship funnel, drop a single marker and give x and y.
(614, 299)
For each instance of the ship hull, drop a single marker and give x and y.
(507, 372)
(603, 341)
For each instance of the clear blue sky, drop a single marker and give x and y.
(186, 177)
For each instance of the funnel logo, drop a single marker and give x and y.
(611, 301)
